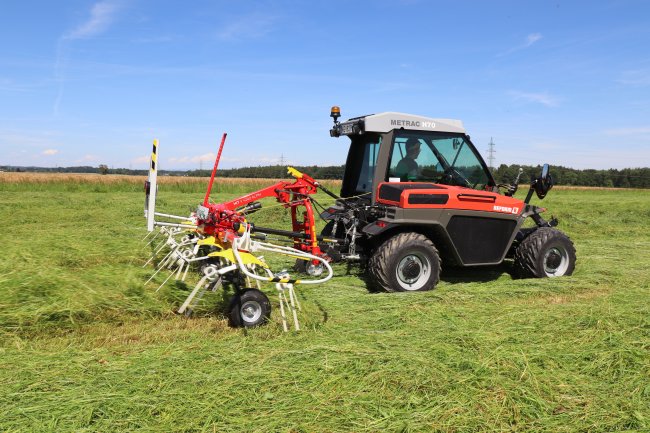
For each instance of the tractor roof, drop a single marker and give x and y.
(384, 122)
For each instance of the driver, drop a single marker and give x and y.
(408, 168)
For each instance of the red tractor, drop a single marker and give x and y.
(416, 194)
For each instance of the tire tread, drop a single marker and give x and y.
(379, 262)
(528, 252)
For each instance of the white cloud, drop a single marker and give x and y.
(639, 78)
(88, 158)
(643, 130)
(49, 152)
(230, 161)
(101, 17)
(141, 160)
(154, 39)
(193, 159)
(248, 27)
(531, 39)
(29, 139)
(537, 98)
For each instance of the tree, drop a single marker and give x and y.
(103, 169)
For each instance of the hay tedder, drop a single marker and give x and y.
(219, 243)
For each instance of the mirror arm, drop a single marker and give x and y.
(530, 191)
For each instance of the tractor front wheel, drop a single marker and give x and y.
(407, 262)
(249, 308)
(546, 252)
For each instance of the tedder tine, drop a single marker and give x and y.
(198, 287)
(165, 282)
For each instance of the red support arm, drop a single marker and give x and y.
(214, 171)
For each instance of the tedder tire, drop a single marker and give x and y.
(249, 308)
(308, 268)
(406, 262)
(546, 252)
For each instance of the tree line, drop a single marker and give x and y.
(623, 178)
(610, 178)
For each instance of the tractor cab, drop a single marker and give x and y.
(396, 147)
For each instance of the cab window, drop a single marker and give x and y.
(412, 160)
(436, 157)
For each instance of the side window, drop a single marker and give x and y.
(413, 160)
(367, 172)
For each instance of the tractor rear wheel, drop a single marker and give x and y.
(407, 262)
(249, 308)
(546, 252)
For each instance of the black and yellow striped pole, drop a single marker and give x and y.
(152, 187)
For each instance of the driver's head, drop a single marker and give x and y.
(413, 147)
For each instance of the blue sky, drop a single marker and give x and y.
(89, 83)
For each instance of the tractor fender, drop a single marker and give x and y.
(332, 212)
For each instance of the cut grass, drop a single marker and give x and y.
(85, 346)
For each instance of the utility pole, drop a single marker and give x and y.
(491, 153)
(281, 175)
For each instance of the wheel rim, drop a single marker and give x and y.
(314, 270)
(413, 271)
(250, 311)
(556, 262)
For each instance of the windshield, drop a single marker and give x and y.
(434, 157)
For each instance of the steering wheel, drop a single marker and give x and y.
(455, 176)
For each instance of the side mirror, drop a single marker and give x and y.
(544, 182)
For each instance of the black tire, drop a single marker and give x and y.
(306, 267)
(333, 252)
(329, 228)
(407, 262)
(546, 252)
(249, 308)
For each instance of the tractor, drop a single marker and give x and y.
(416, 194)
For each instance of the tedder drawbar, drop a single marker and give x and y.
(416, 194)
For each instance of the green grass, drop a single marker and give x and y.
(86, 347)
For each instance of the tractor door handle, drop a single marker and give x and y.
(477, 197)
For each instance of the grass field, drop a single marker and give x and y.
(86, 347)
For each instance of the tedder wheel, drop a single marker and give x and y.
(249, 308)
(308, 268)
(546, 252)
(404, 263)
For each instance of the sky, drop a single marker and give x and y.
(94, 82)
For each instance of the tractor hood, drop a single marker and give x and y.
(417, 195)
